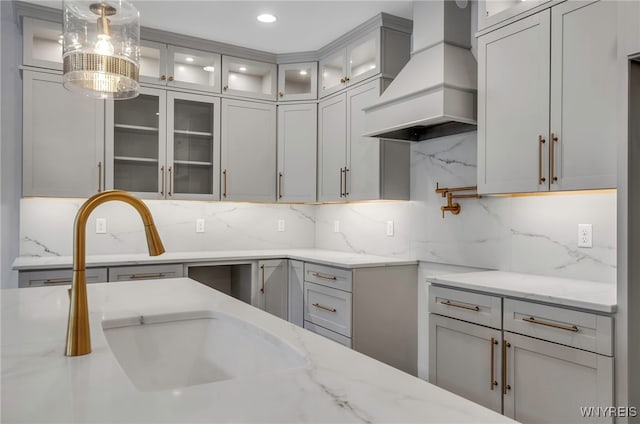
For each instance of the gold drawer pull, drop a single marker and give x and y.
(146, 276)
(572, 328)
(326, 308)
(57, 281)
(505, 386)
(457, 305)
(541, 141)
(325, 276)
(493, 381)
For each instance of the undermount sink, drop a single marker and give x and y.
(159, 352)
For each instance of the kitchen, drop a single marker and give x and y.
(522, 234)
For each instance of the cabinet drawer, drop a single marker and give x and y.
(473, 307)
(145, 272)
(338, 338)
(328, 307)
(57, 277)
(328, 276)
(582, 330)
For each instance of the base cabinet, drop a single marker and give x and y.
(273, 287)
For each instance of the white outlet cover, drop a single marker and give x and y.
(585, 235)
(281, 225)
(199, 225)
(389, 228)
(336, 226)
(101, 225)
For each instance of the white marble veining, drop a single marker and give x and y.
(536, 234)
(40, 384)
(325, 257)
(582, 294)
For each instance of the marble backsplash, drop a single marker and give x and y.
(532, 234)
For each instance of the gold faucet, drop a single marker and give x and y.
(78, 337)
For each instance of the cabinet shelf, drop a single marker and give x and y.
(135, 128)
(192, 163)
(135, 159)
(196, 133)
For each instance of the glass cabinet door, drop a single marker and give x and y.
(193, 146)
(248, 78)
(137, 146)
(363, 58)
(194, 69)
(153, 62)
(298, 81)
(491, 12)
(42, 45)
(333, 73)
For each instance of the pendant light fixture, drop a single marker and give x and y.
(101, 48)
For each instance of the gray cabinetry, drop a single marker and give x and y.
(547, 87)
(249, 78)
(145, 272)
(63, 139)
(298, 81)
(297, 147)
(295, 277)
(332, 142)
(273, 285)
(41, 46)
(57, 277)
(248, 151)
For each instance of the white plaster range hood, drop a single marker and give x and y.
(435, 93)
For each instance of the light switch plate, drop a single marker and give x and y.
(281, 225)
(336, 226)
(199, 225)
(101, 225)
(389, 228)
(585, 235)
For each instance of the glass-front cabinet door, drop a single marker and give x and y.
(153, 62)
(298, 81)
(491, 12)
(195, 69)
(193, 146)
(363, 58)
(248, 78)
(135, 149)
(333, 73)
(42, 44)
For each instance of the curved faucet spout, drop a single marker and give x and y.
(78, 335)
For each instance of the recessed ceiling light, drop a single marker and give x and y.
(242, 69)
(266, 18)
(188, 59)
(303, 72)
(209, 68)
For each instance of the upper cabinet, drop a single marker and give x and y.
(42, 43)
(382, 51)
(179, 67)
(298, 81)
(492, 12)
(248, 78)
(546, 110)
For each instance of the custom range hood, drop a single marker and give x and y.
(435, 93)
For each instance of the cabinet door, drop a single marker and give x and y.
(273, 287)
(297, 147)
(465, 359)
(194, 69)
(153, 62)
(63, 139)
(549, 382)
(298, 81)
(333, 73)
(193, 146)
(248, 78)
(136, 144)
(363, 153)
(363, 58)
(332, 144)
(248, 151)
(42, 43)
(583, 95)
(295, 293)
(513, 107)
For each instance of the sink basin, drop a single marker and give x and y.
(159, 352)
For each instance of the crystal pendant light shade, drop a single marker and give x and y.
(101, 48)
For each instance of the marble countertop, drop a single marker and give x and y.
(336, 384)
(325, 257)
(582, 294)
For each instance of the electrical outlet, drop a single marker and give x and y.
(336, 226)
(389, 228)
(199, 225)
(101, 225)
(585, 235)
(281, 225)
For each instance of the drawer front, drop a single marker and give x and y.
(338, 338)
(328, 276)
(328, 308)
(145, 272)
(473, 307)
(582, 330)
(57, 277)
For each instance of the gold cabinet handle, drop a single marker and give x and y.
(533, 320)
(163, 77)
(170, 78)
(505, 386)
(458, 305)
(493, 377)
(57, 281)
(552, 161)
(162, 178)
(326, 308)
(325, 276)
(341, 184)
(281, 94)
(170, 180)
(224, 184)
(262, 287)
(280, 175)
(146, 276)
(225, 88)
(541, 142)
(346, 193)
(99, 177)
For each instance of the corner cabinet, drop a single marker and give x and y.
(63, 139)
(353, 167)
(248, 152)
(164, 144)
(546, 114)
(249, 78)
(298, 81)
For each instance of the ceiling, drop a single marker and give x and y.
(302, 25)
